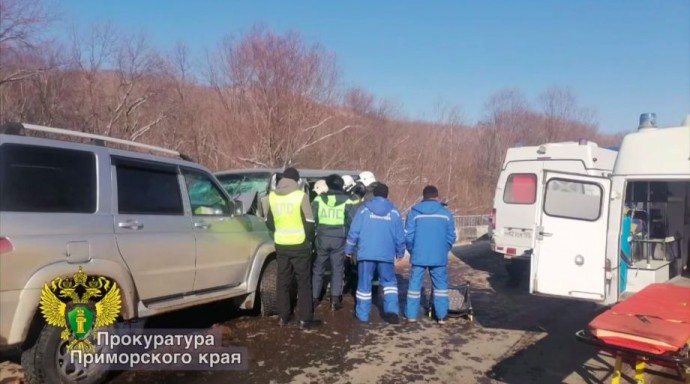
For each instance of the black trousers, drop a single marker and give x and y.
(294, 263)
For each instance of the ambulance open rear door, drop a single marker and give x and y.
(570, 244)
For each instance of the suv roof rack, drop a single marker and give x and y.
(16, 129)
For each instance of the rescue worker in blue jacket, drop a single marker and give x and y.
(429, 236)
(330, 214)
(378, 235)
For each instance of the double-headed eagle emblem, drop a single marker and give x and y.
(81, 305)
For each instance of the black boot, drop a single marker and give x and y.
(336, 303)
(391, 318)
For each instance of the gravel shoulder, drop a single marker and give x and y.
(515, 338)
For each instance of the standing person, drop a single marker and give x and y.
(358, 191)
(626, 238)
(330, 210)
(291, 220)
(363, 191)
(348, 184)
(429, 236)
(378, 235)
(351, 189)
(368, 180)
(355, 192)
(320, 188)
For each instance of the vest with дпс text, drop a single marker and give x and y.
(287, 216)
(331, 214)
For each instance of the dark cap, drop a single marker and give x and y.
(334, 182)
(291, 173)
(381, 190)
(430, 192)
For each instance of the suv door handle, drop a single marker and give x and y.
(202, 225)
(545, 234)
(130, 224)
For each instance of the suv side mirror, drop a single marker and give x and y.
(239, 208)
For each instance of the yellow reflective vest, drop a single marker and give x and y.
(287, 216)
(329, 213)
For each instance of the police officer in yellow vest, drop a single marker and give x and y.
(291, 220)
(332, 218)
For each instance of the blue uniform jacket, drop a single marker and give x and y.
(429, 233)
(377, 232)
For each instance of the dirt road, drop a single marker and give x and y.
(516, 338)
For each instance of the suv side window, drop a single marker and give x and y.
(148, 191)
(45, 179)
(205, 197)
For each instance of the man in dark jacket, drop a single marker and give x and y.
(355, 191)
(368, 182)
(378, 235)
(330, 211)
(429, 236)
(291, 220)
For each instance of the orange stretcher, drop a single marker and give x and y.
(652, 326)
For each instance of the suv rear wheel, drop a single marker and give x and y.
(48, 361)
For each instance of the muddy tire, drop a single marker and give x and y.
(268, 289)
(47, 361)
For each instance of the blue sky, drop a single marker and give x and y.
(621, 57)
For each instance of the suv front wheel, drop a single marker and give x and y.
(268, 289)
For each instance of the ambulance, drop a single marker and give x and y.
(578, 235)
(521, 182)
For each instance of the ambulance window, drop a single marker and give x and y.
(573, 199)
(520, 188)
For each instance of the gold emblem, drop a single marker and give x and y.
(80, 305)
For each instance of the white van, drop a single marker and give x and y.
(521, 182)
(577, 251)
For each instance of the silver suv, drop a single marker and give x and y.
(162, 228)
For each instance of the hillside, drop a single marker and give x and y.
(271, 100)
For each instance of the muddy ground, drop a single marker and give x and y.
(515, 338)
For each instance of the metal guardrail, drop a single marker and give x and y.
(471, 227)
(471, 220)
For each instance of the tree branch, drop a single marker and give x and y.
(21, 74)
(252, 161)
(324, 121)
(141, 131)
(322, 138)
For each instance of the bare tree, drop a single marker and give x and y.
(121, 74)
(267, 100)
(451, 119)
(287, 88)
(507, 113)
(21, 25)
(561, 110)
